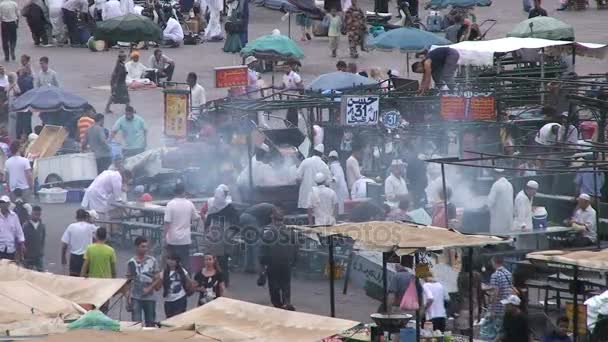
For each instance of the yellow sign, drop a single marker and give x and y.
(176, 114)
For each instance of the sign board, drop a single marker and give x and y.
(470, 106)
(360, 110)
(233, 76)
(581, 319)
(177, 107)
(391, 119)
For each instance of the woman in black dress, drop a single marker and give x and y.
(209, 281)
(118, 83)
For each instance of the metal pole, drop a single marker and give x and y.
(384, 282)
(542, 76)
(289, 25)
(420, 304)
(250, 154)
(597, 195)
(471, 294)
(445, 195)
(332, 296)
(575, 309)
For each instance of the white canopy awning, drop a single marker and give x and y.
(481, 53)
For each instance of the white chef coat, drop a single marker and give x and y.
(339, 184)
(173, 31)
(572, 137)
(106, 188)
(111, 9)
(198, 96)
(586, 217)
(306, 174)
(500, 203)
(545, 135)
(359, 190)
(127, 7)
(394, 188)
(522, 210)
(323, 201)
(353, 171)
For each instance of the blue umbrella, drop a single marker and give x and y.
(407, 39)
(46, 99)
(340, 80)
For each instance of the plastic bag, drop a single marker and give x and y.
(409, 302)
(95, 320)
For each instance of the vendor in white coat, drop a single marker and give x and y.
(338, 180)
(522, 208)
(394, 185)
(306, 174)
(108, 187)
(353, 169)
(323, 201)
(500, 204)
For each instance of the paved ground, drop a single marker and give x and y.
(80, 70)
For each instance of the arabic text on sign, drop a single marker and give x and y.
(361, 110)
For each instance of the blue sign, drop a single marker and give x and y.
(391, 119)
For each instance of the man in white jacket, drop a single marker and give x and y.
(394, 185)
(500, 204)
(338, 181)
(522, 209)
(306, 175)
(323, 207)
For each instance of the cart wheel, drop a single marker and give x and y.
(53, 178)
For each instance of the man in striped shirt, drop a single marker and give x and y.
(502, 284)
(86, 121)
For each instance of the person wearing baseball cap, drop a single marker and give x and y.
(583, 222)
(252, 75)
(522, 208)
(515, 326)
(12, 239)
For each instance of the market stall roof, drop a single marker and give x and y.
(226, 319)
(21, 300)
(388, 236)
(597, 260)
(155, 335)
(481, 53)
(78, 290)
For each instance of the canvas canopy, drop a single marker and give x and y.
(157, 335)
(388, 236)
(78, 290)
(21, 300)
(597, 260)
(481, 53)
(226, 319)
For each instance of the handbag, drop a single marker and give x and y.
(409, 302)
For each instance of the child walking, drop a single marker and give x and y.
(334, 31)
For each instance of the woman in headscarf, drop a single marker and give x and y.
(37, 15)
(221, 216)
(56, 19)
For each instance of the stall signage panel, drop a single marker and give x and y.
(360, 110)
(469, 106)
(176, 115)
(233, 76)
(391, 119)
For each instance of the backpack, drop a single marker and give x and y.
(21, 212)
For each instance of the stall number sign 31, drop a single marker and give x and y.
(360, 110)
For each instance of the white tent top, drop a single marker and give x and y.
(481, 53)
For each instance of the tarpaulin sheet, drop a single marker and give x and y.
(388, 236)
(78, 290)
(481, 53)
(159, 335)
(597, 260)
(226, 319)
(21, 300)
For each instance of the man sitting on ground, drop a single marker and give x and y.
(173, 35)
(136, 72)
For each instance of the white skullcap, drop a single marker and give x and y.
(499, 170)
(320, 148)
(320, 178)
(397, 162)
(584, 197)
(532, 185)
(333, 154)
